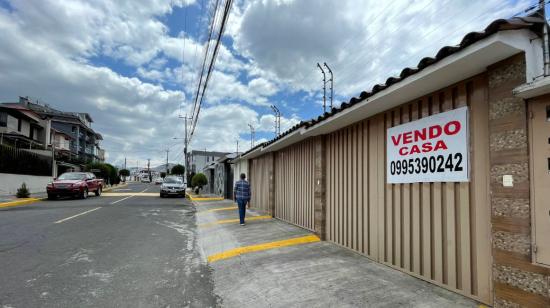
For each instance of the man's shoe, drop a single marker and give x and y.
(242, 224)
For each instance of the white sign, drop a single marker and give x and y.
(432, 149)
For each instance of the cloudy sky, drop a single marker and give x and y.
(132, 64)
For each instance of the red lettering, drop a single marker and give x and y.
(440, 145)
(407, 137)
(427, 147)
(455, 125)
(435, 131)
(396, 141)
(415, 149)
(420, 135)
(403, 151)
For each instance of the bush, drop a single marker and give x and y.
(23, 192)
(199, 180)
(178, 170)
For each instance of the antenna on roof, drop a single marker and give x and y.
(324, 88)
(331, 84)
(251, 135)
(277, 120)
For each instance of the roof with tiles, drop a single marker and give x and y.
(530, 22)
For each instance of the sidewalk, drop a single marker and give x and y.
(269, 263)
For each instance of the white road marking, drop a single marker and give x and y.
(74, 216)
(121, 199)
(127, 197)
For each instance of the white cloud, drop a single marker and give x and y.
(48, 50)
(364, 42)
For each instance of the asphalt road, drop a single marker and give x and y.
(116, 251)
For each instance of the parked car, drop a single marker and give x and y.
(145, 179)
(172, 186)
(77, 184)
(159, 181)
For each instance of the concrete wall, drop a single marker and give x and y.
(9, 183)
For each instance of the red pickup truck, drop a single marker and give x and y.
(78, 184)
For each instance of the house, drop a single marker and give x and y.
(200, 159)
(441, 172)
(37, 127)
(22, 128)
(84, 142)
(220, 176)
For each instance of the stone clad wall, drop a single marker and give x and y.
(517, 281)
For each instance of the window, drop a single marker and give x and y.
(3, 119)
(74, 129)
(18, 125)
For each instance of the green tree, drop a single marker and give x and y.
(198, 181)
(163, 175)
(178, 170)
(100, 170)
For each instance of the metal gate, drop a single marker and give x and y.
(294, 184)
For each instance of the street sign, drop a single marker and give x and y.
(432, 149)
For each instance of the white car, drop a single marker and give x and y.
(172, 186)
(145, 179)
(159, 181)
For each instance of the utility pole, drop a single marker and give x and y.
(251, 135)
(124, 162)
(185, 145)
(324, 88)
(148, 168)
(167, 150)
(331, 84)
(237, 145)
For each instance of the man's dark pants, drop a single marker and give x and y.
(242, 209)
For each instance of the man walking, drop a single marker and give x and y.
(241, 195)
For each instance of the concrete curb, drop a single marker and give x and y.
(193, 198)
(24, 201)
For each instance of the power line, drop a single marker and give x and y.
(223, 23)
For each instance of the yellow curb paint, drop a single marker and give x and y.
(223, 209)
(19, 202)
(142, 194)
(207, 199)
(260, 247)
(115, 187)
(228, 221)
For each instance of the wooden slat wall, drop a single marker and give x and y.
(294, 184)
(259, 182)
(435, 231)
